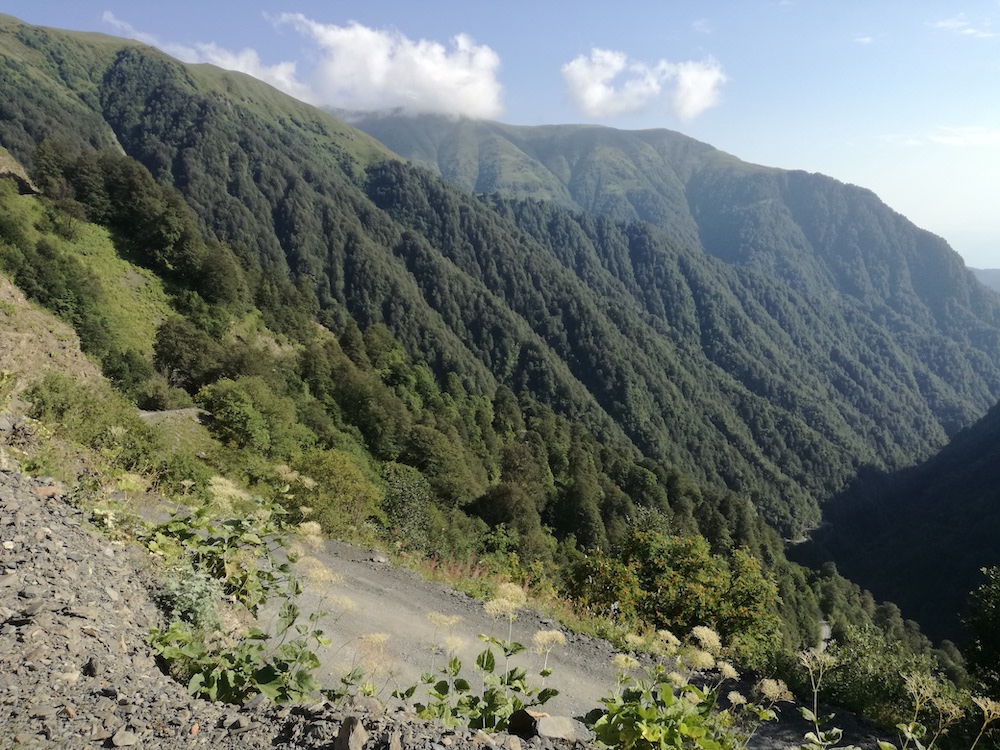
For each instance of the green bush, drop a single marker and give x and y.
(605, 586)
(93, 416)
(193, 597)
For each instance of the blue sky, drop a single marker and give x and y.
(900, 97)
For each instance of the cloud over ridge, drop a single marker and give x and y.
(362, 68)
(281, 76)
(606, 83)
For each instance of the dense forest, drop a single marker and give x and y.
(499, 376)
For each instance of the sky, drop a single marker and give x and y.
(902, 97)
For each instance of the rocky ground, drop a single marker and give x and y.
(75, 670)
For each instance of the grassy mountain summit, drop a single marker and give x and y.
(765, 332)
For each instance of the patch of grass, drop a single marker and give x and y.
(134, 300)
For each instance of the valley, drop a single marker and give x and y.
(617, 369)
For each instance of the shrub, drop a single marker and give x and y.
(192, 596)
(605, 586)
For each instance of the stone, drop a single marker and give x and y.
(368, 704)
(352, 735)
(124, 738)
(562, 728)
(523, 723)
(93, 667)
(47, 491)
(44, 712)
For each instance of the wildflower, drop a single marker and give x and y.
(635, 641)
(624, 663)
(453, 644)
(341, 603)
(921, 687)
(727, 671)
(677, 679)
(666, 643)
(989, 707)
(497, 608)
(948, 710)
(736, 698)
(305, 510)
(774, 690)
(693, 698)
(699, 660)
(375, 640)
(668, 638)
(512, 593)
(817, 661)
(226, 493)
(546, 640)
(442, 621)
(708, 639)
(287, 474)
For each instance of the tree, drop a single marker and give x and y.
(983, 623)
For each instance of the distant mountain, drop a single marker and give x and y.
(816, 233)
(988, 276)
(769, 333)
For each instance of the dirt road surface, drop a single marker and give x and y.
(396, 602)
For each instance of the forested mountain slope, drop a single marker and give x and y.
(988, 276)
(820, 334)
(818, 234)
(921, 536)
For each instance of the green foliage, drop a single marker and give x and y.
(238, 557)
(339, 491)
(564, 378)
(95, 417)
(870, 675)
(506, 688)
(246, 413)
(682, 584)
(192, 597)
(605, 586)
(253, 665)
(983, 623)
(678, 706)
(241, 553)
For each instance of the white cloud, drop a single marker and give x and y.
(861, 39)
(702, 26)
(697, 87)
(281, 76)
(902, 139)
(124, 27)
(966, 136)
(606, 83)
(960, 24)
(372, 69)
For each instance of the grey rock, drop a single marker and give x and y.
(124, 738)
(562, 728)
(352, 735)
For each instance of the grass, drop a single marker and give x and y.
(135, 302)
